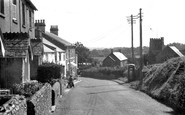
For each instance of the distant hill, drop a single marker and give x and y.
(104, 52)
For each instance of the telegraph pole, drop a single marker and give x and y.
(141, 50)
(132, 38)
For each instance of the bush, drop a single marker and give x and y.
(48, 71)
(104, 71)
(27, 89)
(166, 82)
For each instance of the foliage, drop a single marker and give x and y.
(125, 50)
(27, 89)
(83, 53)
(167, 82)
(179, 46)
(104, 71)
(48, 71)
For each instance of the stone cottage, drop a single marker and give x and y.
(58, 50)
(16, 23)
(115, 59)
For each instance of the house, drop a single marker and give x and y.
(115, 59)
(16, 23)
(61, 51)
(167, 53)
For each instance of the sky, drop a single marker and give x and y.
(103, 23)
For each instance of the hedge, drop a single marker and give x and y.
(48, 71)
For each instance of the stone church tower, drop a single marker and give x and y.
(156, 46)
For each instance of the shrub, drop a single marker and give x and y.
(104, 71)
(48, 71)
(27, 89)
(167, 82)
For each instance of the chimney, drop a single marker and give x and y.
(54, 29)
(39, 27)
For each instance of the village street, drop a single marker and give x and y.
(106, 97)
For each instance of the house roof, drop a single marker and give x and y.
(36, 45)
(31, 4)
(61, 43)
(52, 45)
(48, 48)
(176, 51)
(120, 56)
(16, 44)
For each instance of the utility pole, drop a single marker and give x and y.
(132, 37)
(141, 50)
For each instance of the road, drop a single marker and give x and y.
(106, 97)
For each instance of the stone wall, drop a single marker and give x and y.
(56, 88)
(42, 100)
(15, 106)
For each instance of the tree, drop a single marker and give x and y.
(83, 53)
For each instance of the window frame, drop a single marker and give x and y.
(30, 19)
(14, 2)
(23, 15)
(2, 10)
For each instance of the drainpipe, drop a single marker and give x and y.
(20, 15)
(10, 14)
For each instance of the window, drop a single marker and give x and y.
(14, 2)
(30, 19)
(14, 11)
(60, 56)
(23, 14)
(2, 6)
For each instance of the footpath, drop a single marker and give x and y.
(66, 90)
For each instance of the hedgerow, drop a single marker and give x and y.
(49, 71)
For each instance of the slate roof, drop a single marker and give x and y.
(48, 48)
(176, 51)
(56, 38)
(52, 45)
(16, 44)
(120, 56)
(31, 4)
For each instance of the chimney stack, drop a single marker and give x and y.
(39, 28)
(54, 29)
(40, 25)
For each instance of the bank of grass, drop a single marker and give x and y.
(105, 72)
(166, 82)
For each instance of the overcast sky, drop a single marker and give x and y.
(103, 23)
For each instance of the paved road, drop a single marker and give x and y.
(105, 97)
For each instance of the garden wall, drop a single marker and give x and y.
(42, 100)
(15, 106)
(56, 89)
